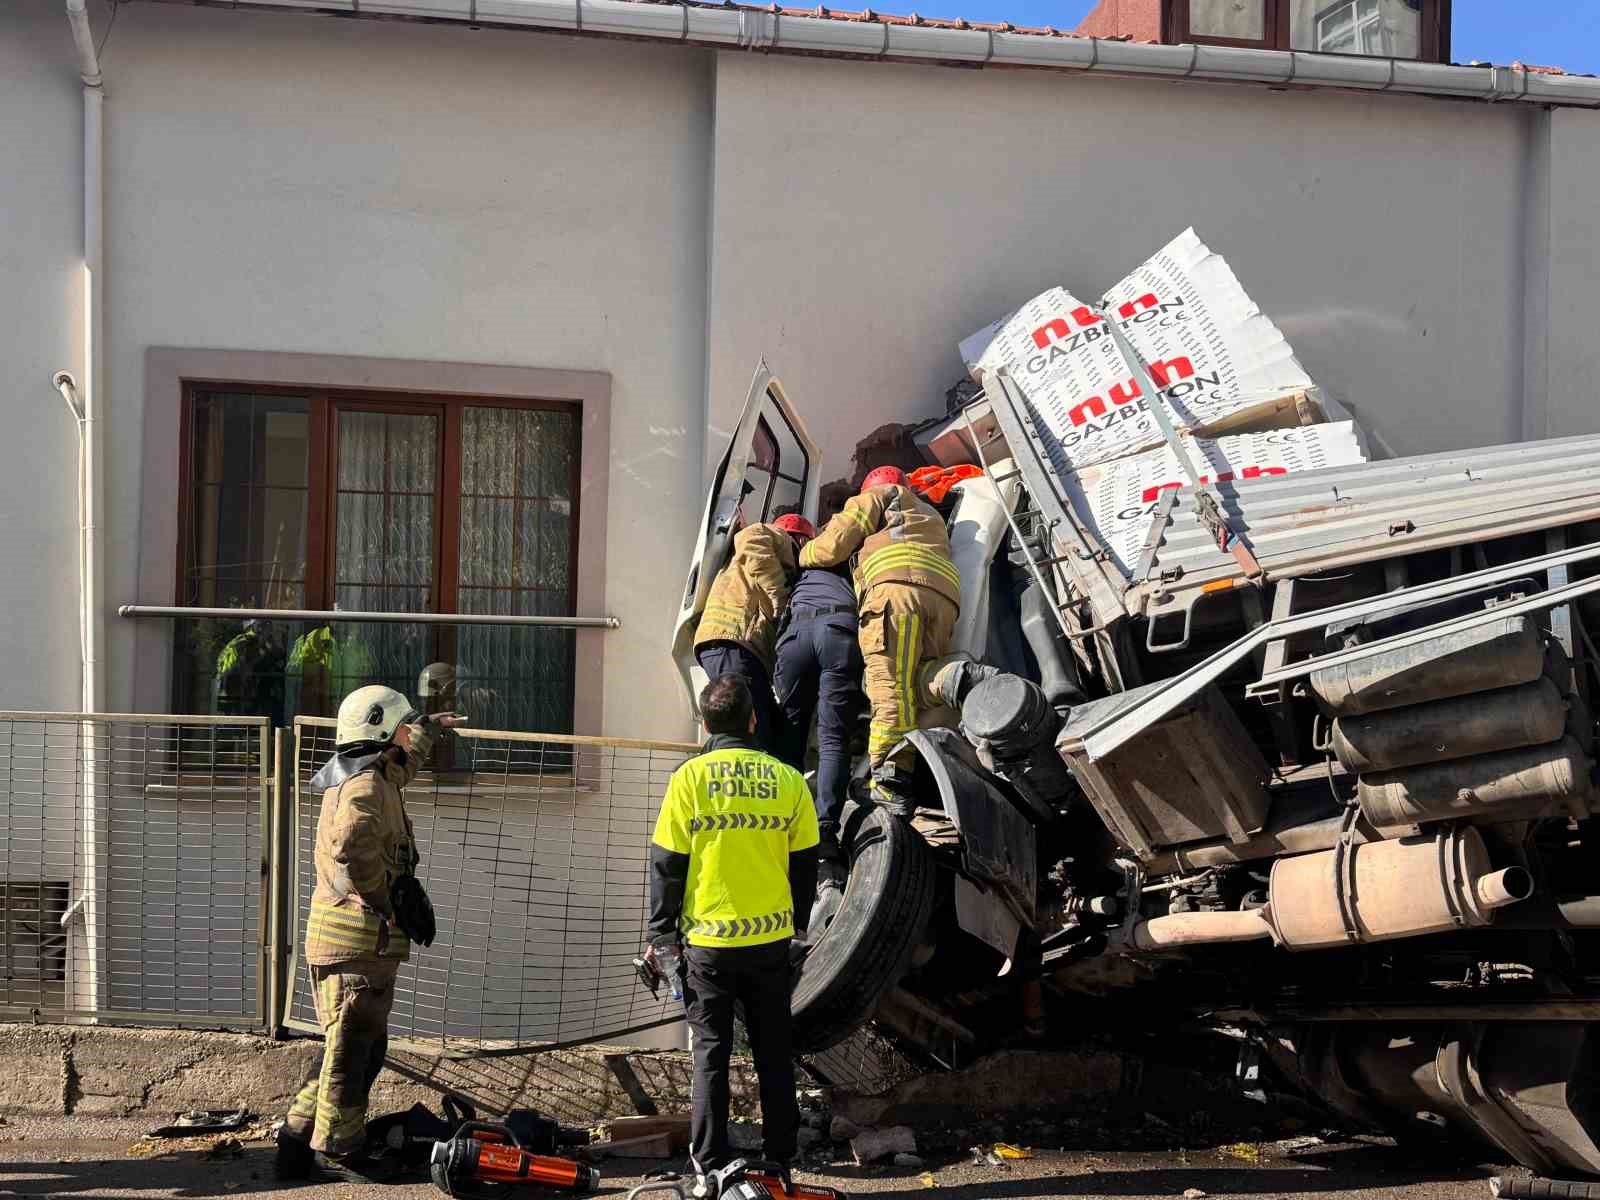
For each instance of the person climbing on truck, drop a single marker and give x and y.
(909, 593)
(819, 675)
(739, 627)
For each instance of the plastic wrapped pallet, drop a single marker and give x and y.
(1221, 364)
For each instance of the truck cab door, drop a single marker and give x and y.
(771, 467)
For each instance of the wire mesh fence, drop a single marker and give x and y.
(535, 855)
(133, 874)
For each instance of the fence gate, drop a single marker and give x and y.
(133, 868)
(535, 854)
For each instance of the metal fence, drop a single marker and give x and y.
(134, 868)
(534, 852)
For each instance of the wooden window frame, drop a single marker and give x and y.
(324, 406)
(1434, 47)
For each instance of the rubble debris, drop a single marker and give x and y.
(871, 1145)
(842, 1129)
(200, 1121)
(1006, 1150)
(1247, 1151)
(225, 1147)
(1193, 1194)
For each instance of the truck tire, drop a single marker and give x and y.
(865, 951)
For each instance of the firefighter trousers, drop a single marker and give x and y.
(352, 1000)
(819, 673)
(905, 636)
(758, 979)
(729, 658)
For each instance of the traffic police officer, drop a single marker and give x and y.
(910, 595)
(819, 674)
(732, 874)
(353, 944)
(740, 622)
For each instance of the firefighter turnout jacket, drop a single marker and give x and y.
(749, 594)
(364, 843)
(894, 536)
(733, 859)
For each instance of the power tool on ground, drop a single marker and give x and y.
(487, 1161)
(742, 1179)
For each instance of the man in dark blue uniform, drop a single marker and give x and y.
(818, 672)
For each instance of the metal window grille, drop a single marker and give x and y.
(133, 874)
(535, 854)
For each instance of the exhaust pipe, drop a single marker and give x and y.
(1359, 892)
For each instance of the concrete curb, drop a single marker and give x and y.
(55, 1070)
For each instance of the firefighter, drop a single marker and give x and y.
(354, 939)
(909, 593)
(819, 674)
(732, 875)
(740, 623)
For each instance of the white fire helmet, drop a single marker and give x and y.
(372, 714)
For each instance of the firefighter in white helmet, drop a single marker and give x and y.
(366, 910)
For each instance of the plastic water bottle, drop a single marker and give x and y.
(670, 963)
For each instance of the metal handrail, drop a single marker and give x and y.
(329, 616)
(523, 735)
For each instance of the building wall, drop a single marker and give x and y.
(298, 183)
(870, 217)
(41, 240)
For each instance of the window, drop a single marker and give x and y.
(1414, 29)
(302, 498)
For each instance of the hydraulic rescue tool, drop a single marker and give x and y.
(486, 1161)
(742, 1179)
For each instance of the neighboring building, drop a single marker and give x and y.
(421, 315)
(1411, 29)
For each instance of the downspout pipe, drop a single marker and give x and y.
(89, 397)
(93, 618)
(84, 979)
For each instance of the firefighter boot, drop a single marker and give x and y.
(891, 791)
(295, 1157)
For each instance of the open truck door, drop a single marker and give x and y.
(770, 468)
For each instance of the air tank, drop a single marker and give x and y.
(1499, 654)
(1522, 781)
(1482, 723)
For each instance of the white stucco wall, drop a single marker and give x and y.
(869, 217)
(295, 183)
(41, 222)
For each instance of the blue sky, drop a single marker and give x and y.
(1559, 33)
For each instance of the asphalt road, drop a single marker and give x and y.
(78, 1160)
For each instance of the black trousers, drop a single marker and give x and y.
(819, 673)
(717, 659)
(757, 979)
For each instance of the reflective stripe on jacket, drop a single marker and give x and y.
(738, 814)
(364, 842)
(894, 536)
(749, 594)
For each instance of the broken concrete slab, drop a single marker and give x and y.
(872, 1145)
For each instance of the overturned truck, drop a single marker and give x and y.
(1308, 761)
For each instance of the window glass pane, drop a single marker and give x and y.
(244, 547)
(1244, 19)
(516, 552)
(1381, 28)
(385, 512)
(245, 541)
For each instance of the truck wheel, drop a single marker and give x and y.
(879, 923)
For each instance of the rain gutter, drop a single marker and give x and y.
(777, 32)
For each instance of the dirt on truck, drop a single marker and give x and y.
(1291, 743)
